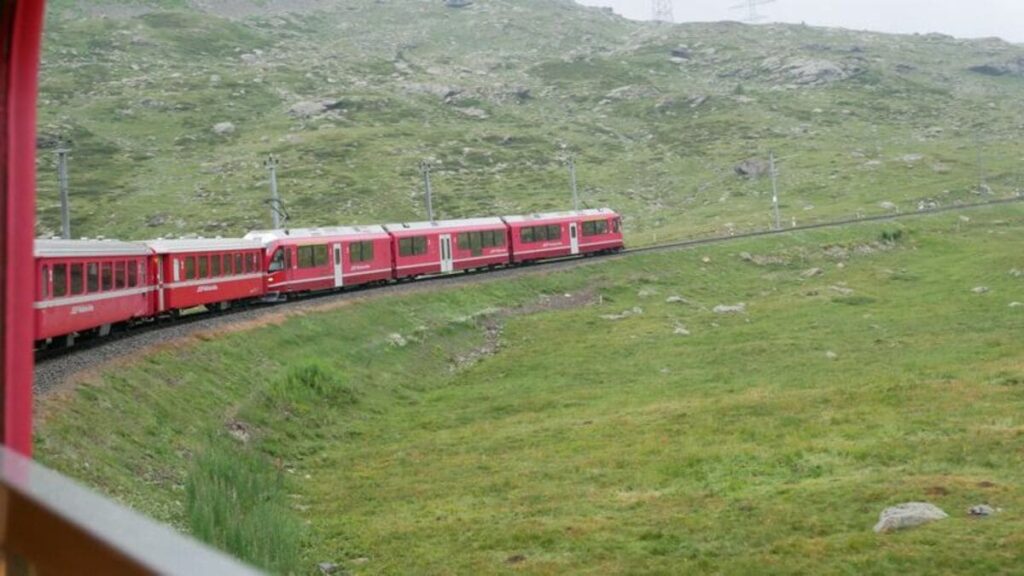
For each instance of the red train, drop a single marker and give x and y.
(89, 287)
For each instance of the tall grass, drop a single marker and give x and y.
(237, 501)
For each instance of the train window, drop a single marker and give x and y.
(133, 274)
(238, 264)
(92, 277)
(215, 265)
(337, 255)
(526, 235)
(60, 280)
(77, 286)
(572, 231)
(190, 267)
(44, 283)
(412, 246)
(226, 270)
(277, 262)
(250, 263)
(305, 256)
(360, 251)
(463, 240)
(119, 279)
(554, 232)
(320, 255)
(107, 276)
(617, 225)
(475, 242)
(204, 267)
(499, 238)
(595, 227)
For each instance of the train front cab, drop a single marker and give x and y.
(88, 286)
(316, 259)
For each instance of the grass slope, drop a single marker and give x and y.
(496, 93)
(508, 427)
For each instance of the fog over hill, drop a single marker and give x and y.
(979, 19)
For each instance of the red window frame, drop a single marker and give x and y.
(21, 26)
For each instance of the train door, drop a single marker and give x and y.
(159, 280)
(447, 263)
(338, 279)
(574, 239)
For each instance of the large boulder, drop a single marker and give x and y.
(753, 168)
(908, 515)
(1011, 68)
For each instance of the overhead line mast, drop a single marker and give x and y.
(751, 7)
(661, 11)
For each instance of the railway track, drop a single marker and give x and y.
(53, 368)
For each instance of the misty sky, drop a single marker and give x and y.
(961, 18)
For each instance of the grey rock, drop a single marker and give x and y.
(831, 355)
(981, 510)
(886, 205)
(1011, 68)
(676, 300)
(681, 331)
(730, 309)
(223, 128)
(842, 290)
(307, 108)
(908, 515)
(752, 168)
(812, 272)
(474, 113)
(397, 340)
(327, 567)
(1016, 273)
(980, 289)
(1016, 304)
(681, 52)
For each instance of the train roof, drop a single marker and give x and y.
(444, 224)
(267, 236)
(557, 215)
(180, 245)
(57, 248)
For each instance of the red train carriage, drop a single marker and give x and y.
(556, 234)
(309, 259)
(205, 272)
(446, 246)
(88, 285)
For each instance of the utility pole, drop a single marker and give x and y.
(751, 7)
(661, 11)
(572, 178)
(775, 191)
(65, 207)
(275, 200)
(425, 170)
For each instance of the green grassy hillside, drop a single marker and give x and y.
(352, 94)
(589, 421)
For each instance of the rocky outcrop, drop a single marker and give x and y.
(1011, 68)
